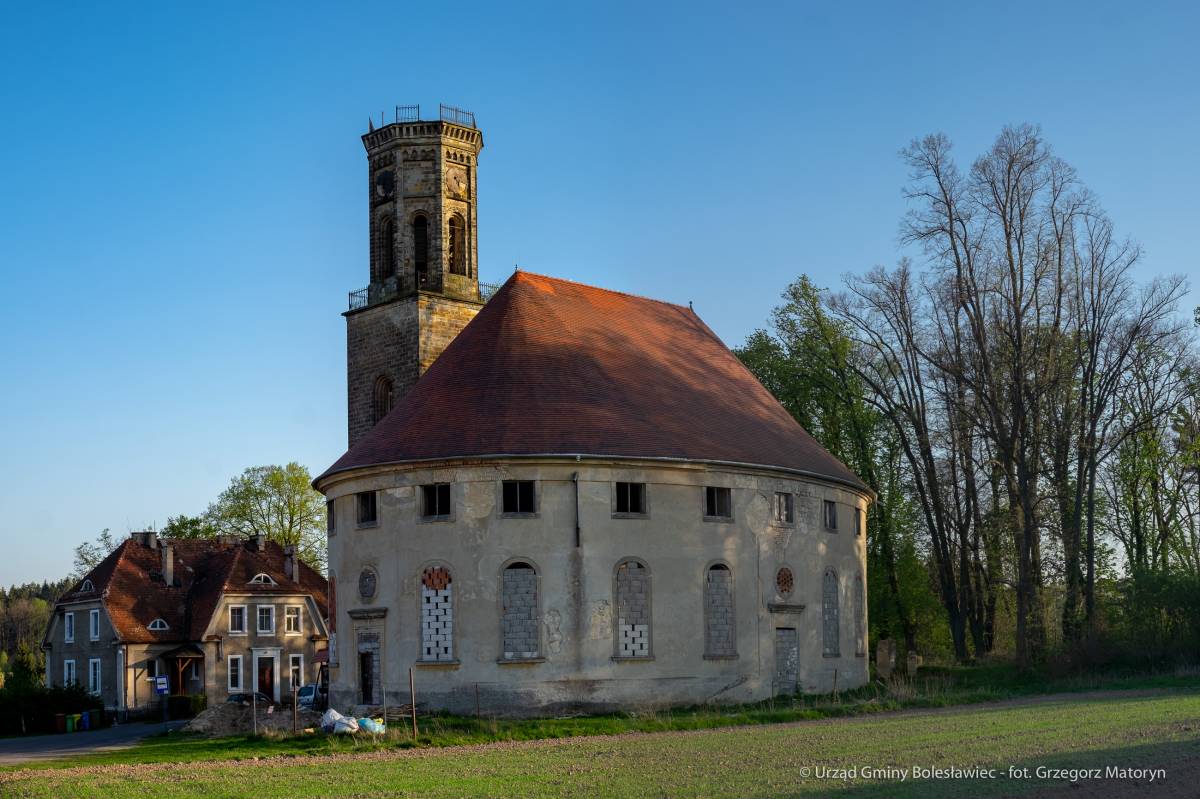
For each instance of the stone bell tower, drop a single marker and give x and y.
(424, 257)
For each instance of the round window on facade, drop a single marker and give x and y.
(784, 582)
(366, 584)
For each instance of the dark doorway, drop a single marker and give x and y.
(366, 676)
(266, 676)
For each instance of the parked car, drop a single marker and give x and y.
(307, 695)
(244, 698)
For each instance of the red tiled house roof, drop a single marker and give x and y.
(553, 367)
(134, 594)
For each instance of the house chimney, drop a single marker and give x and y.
(260, 543)
(168, 563)
(289, 563)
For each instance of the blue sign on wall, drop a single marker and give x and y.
(161, 684)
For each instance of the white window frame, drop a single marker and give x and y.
(262, 578)
(94, 676)
(68, 628)
(291, 662)
(229, 673)
(299, 619)
(69, 674)
(245, 626)
(258, 619)
(158, 625)
(94, 624)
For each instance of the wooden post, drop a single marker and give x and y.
(476, 700)
(254, 704)
(412, 693)
(295, 708)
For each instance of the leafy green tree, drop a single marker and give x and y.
(803, 362)
(278, 502)
(188, 528)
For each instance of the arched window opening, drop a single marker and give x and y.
(437, 615)
(381, 399)
(718, 612)
(860, 617)
(519, 612)
(387, 249)
(420, 231)
(632, 603)
(829, 615)
(87, 586)
(158, 624)
(262, 578)
(458, 246)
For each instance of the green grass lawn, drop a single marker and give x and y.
(1160, 728)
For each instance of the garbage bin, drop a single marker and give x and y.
(97, 720)
(85, 720)
(71, 723)
(60, 722)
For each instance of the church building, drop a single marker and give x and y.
(562, 497)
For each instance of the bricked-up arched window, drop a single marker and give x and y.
(437, 614)
(420, 234)
(860, 617)
(718, 612)
(381, 398)
(829, 614)
(519, 612)
(458, 245)
(387, 249)
(632, 609)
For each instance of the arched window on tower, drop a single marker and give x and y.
(829, 615)
(519, 626)
(860, 617)
(458, 245)
(420, 231)
(387, 249)
(718, 612)
(632, 595)
(381, 399)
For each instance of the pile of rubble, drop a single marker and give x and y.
(230, 718)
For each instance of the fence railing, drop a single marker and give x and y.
(361, 298)
(458, 116)
(408, 113)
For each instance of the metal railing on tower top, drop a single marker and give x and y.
(458, 116)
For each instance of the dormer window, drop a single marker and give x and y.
(262, 579)
(87, 586)
(158, 624)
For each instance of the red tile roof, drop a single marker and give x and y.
(134, 594)
(553, 367)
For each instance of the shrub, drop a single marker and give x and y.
(27, 709)
(182, 706)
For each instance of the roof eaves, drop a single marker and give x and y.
(580, 456)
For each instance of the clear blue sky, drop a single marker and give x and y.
(183, 203)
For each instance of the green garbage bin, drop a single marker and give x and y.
(71, 723)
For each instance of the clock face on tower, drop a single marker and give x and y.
(384, 184)
(456, 182)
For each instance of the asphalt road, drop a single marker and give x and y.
(14, 751)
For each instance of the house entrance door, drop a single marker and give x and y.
(266, 676)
